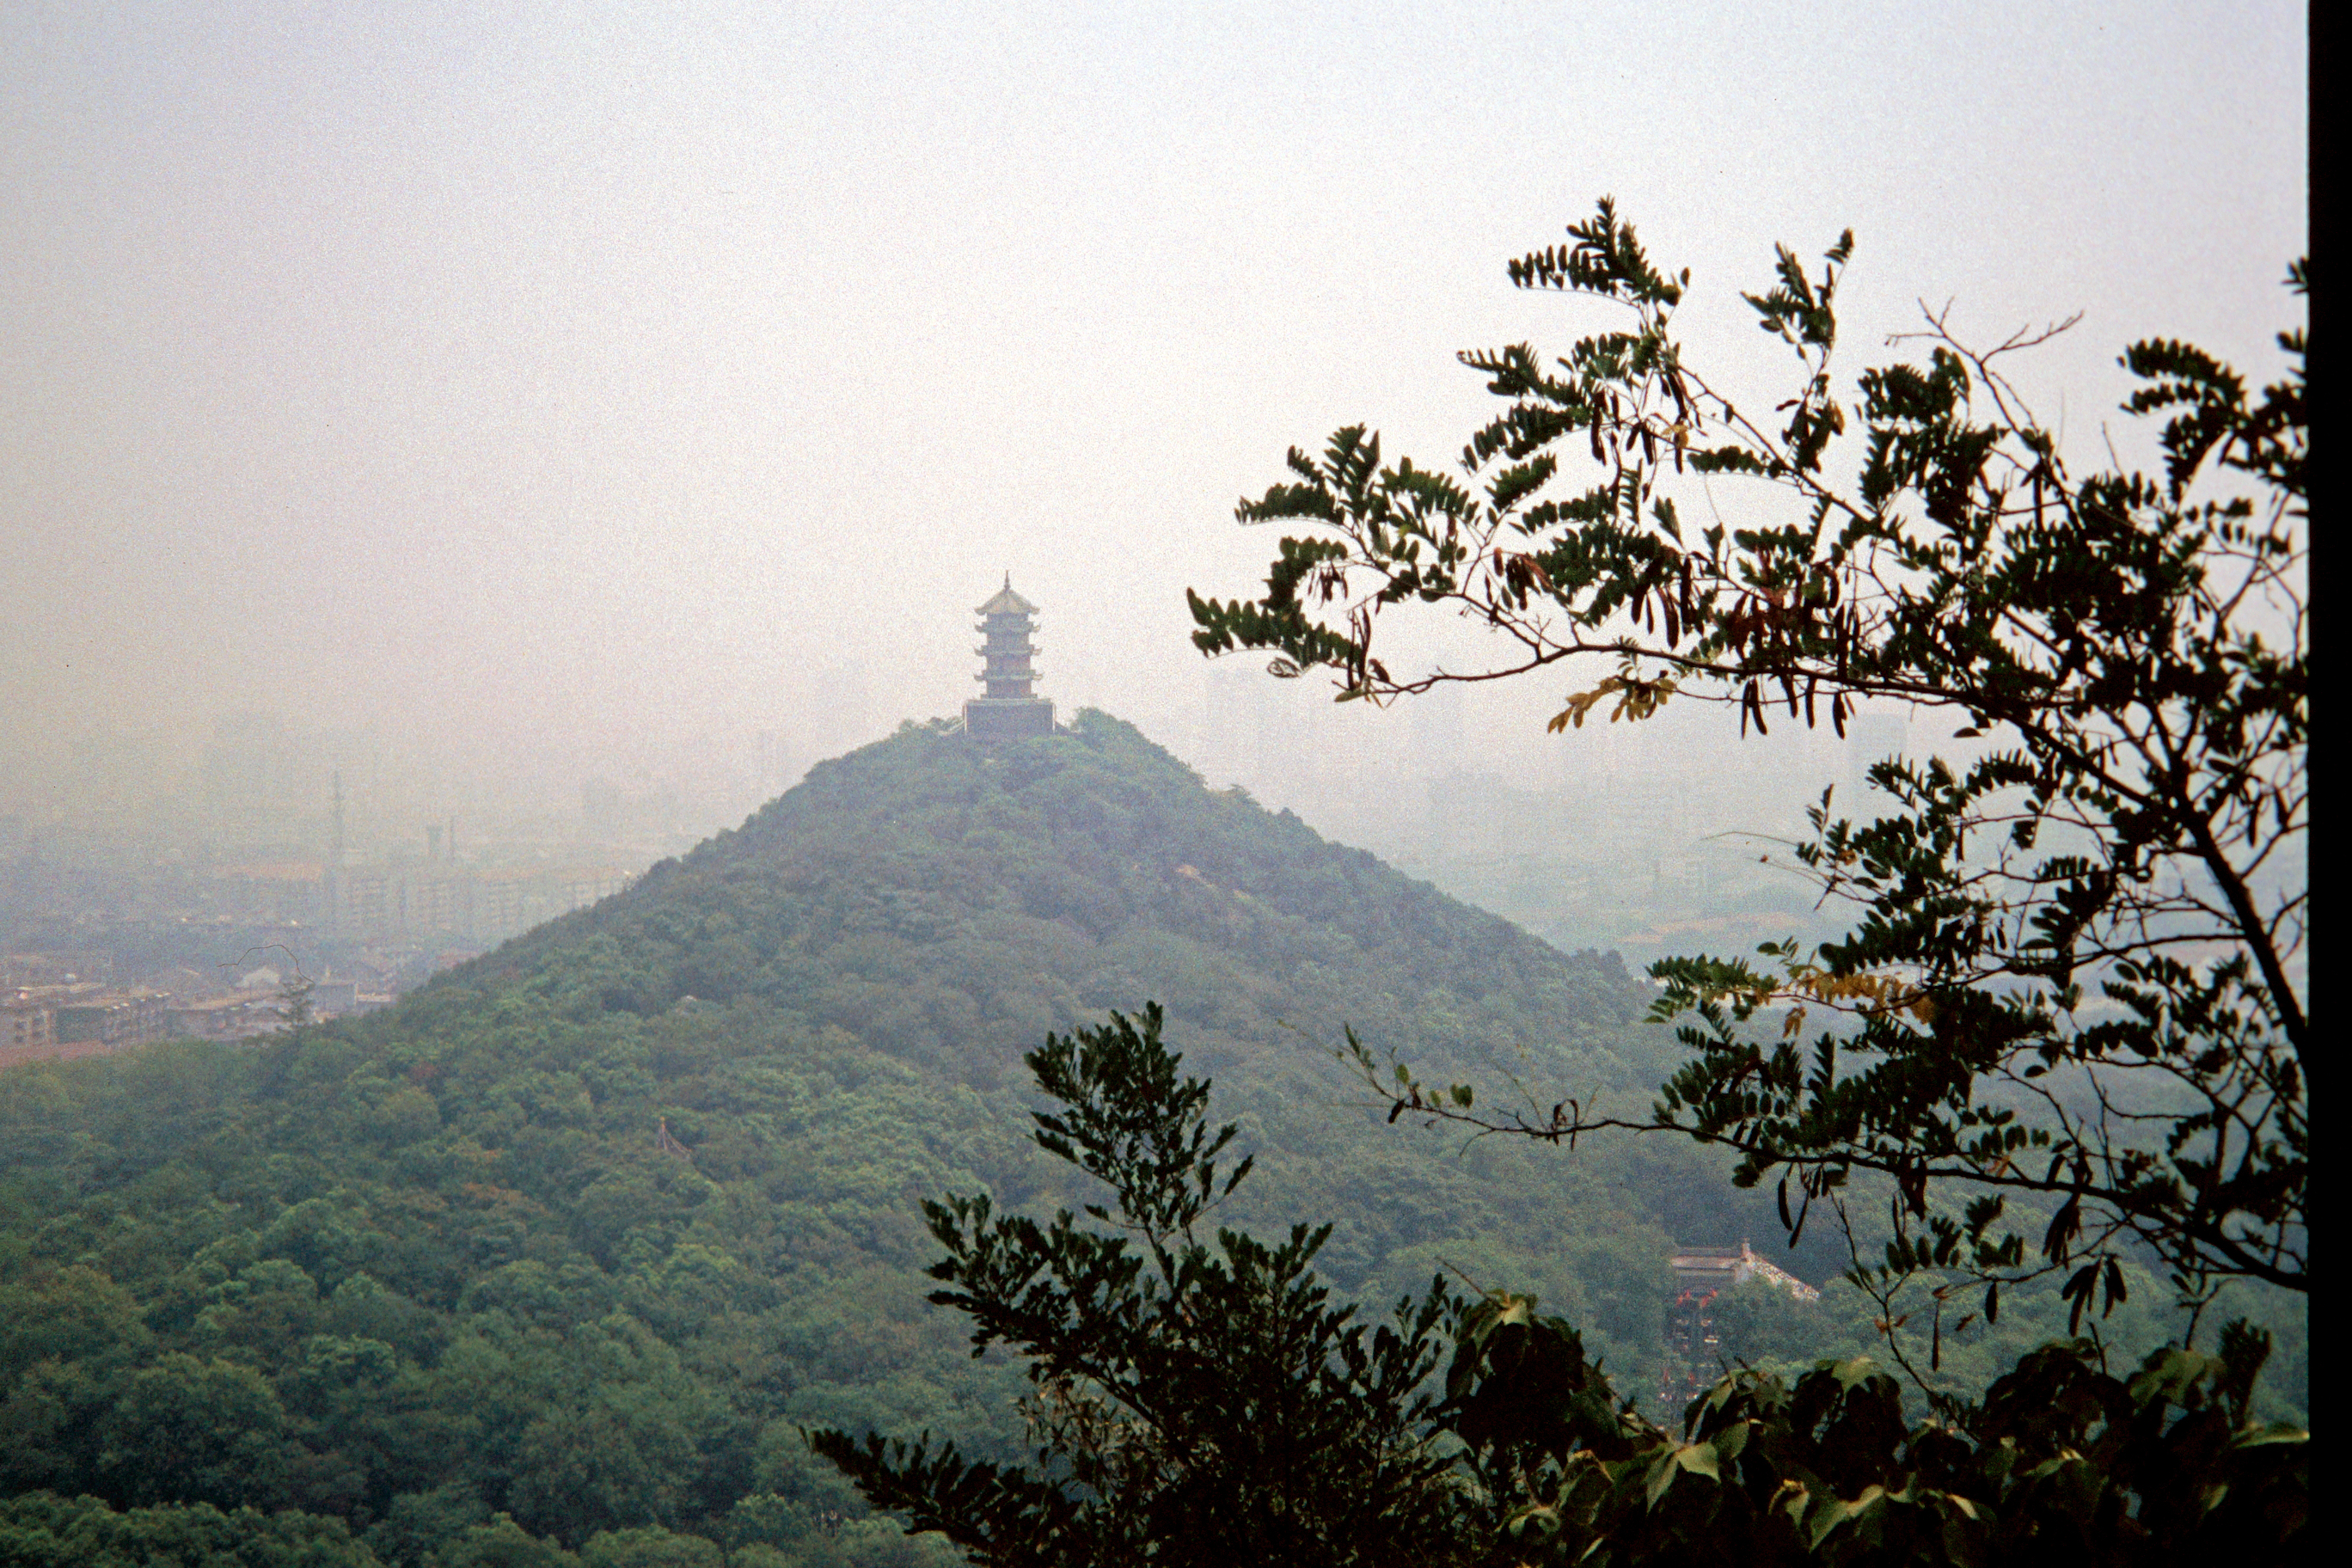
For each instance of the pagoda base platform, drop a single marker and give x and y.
(1008, 718)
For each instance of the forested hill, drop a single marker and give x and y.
(948, 903)
(559, 1254)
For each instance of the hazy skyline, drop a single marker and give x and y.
(583, 390)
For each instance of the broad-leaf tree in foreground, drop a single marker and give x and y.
(2074, 1003)
(1210, 1404)
(1195, 1401)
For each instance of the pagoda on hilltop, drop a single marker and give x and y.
(1009, 711)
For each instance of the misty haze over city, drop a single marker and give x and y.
(558, 430)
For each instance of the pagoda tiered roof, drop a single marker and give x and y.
(1007, 602)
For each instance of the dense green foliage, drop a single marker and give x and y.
(1199, 1402)
(2068, 1026)
(432, 1274)
(2061, 1462)
(47, 1532)
(1193, 1402)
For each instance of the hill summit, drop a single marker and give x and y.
(949, 901)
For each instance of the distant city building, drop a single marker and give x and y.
(1010, 711)
(1711, 1268)
(92, 1014)
(79, 1018)
(29, 1024)
(240, 1014)
(415, 903)
(1694, 1347)
(258, 868)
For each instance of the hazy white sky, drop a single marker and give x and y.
(590, 386)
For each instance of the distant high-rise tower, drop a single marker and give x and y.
(1009, 711)
(333, 879)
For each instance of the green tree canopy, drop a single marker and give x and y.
(45, 1531)
(1199, 1403)
(1193, 1401)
